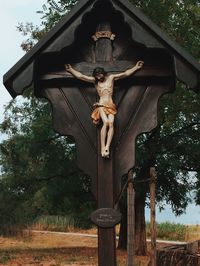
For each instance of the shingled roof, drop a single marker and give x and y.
(187, 69)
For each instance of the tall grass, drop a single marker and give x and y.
(165, 231)
(16, 231)
(54, 223)
(176, 232)
(169, 231)
(192, 233)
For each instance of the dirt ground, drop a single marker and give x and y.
(44, 249)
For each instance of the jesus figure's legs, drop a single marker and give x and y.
(106, 132)
(103, 130)
(110, 133)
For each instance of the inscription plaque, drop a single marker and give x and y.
(106, 217)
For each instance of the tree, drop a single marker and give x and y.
(173, 146)
(39, 172)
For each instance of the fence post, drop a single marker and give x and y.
(130, 220)
(153, 215)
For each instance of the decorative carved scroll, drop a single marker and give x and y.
(103, 34)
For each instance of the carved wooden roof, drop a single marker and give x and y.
(143, 30)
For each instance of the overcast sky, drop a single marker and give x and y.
(13, 12)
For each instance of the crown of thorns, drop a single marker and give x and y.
(98, 70)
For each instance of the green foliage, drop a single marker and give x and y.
(179, 19)
(35, 34)
(39, 172)
(53, 11)
(174, 148)
(5, 256)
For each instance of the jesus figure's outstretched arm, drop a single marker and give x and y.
(78, 74)
(129, 71)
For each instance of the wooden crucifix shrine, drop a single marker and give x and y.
(115, 36)
(73, 101)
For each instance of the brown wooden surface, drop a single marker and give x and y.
(141, 117)
(84, 16)
(105, 193)
(66, 122)
(106, 236)
(193, 247)
(137, 113)
(177, 255)
(136, 99)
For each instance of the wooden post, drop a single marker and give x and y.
(153, 215)
(130, 220)
(106, 236)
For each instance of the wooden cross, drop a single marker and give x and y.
(136, 99)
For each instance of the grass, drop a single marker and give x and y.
(31, 248)
(47, 249)
(169, 231)
(61, 250)
(165, 231)
(56, 250)
(54, 223)
(5, 257)
(192, 233)
(176, 232)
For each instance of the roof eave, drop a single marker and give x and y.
(26, 61)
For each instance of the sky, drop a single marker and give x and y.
(13, 12)
(190, 217)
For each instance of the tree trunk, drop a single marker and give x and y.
(140, 227)
(122, 244)
(141, 189)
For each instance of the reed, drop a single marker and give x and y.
(192, 233)
(169, 231)
(54, 223)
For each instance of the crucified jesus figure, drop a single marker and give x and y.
(105, 109)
